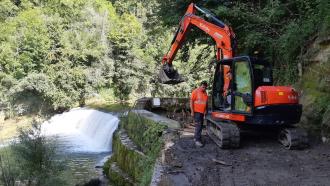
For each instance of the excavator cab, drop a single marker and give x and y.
(237, 93)
(252, 95)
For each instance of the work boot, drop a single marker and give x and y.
(198, 144)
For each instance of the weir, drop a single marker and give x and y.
(82, 130)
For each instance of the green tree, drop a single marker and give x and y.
(36, 158)
(31, 160)
(7, 9)
(124, 36)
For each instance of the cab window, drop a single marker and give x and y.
(243, 86)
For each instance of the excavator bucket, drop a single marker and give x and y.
(168, 75)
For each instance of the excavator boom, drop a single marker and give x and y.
(220, 32)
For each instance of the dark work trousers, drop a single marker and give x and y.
(199, 119)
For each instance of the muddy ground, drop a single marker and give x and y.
(260, 160)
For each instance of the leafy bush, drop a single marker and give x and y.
(32, 160)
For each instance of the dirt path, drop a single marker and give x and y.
(260, 160)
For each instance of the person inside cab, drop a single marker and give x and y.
(226, 87)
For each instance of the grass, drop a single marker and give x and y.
(6, 160)
(107, 106)
(8, 127)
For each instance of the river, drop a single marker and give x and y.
(84, 137)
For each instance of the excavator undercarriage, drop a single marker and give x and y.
(293, 138)
(226, 135)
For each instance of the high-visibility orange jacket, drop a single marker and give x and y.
(227, 80)
(199, 99)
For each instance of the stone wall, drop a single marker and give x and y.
(137, 145)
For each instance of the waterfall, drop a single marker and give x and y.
(82, 130)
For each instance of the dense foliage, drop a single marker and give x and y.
(55, 54)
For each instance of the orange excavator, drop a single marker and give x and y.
(247, 99)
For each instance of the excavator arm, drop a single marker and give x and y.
(220, 32)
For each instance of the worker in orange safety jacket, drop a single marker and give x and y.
(226, 88)
(198, 107)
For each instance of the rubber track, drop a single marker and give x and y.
(297, 138)
(230, 134)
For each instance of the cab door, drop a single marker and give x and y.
(242, 85)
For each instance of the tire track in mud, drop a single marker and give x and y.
(259, 161)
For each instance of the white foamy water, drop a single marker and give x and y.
(82, 130)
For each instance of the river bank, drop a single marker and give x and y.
(82, 162)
